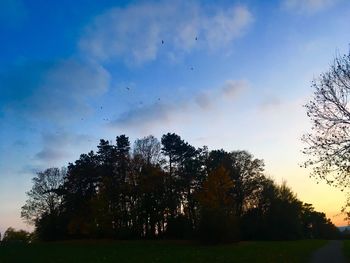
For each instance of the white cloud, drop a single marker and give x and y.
(139, 33)
(226, 25)
(308, 6)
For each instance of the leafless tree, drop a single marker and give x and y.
(44, 196)
(328, 143)
(148, 148)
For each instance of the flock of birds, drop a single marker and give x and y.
(128, 88)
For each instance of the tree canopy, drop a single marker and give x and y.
(166, 189)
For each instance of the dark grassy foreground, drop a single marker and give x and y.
(159, 251)
(346, 249)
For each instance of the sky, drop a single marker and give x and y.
(226, 74)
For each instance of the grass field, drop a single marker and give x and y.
(158, 251)
(346, 249)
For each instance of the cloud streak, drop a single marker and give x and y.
(140, 33)
(308, 6)
(158, 113)
(60, 146)
(57, 91)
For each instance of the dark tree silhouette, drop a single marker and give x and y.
(218, 220)
(328, 143)
(148, 148)
(80, 188)
(16, 236)
(167, 190)
(44, 197)
(245, 171)
(316, 225)
(43, 207)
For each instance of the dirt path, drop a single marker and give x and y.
(330, 253)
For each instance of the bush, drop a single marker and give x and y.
(13, 236)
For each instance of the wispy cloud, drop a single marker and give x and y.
(56, 91)
(148, 115)
(60, 90)
(204, 101)
(270, 103)
(61, 146)
(30, 169)
(20, 143)
(139, 33)
(161, 113)
(49, 154)
(308, 6)
(232, 88)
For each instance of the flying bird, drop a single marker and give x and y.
(162, 41)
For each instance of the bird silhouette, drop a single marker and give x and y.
(162, 41)
(196, 38)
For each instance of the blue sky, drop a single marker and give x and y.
(227, 74)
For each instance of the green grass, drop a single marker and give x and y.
(159, 251)
(346, 249)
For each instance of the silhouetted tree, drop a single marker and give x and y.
(328, 143)
(148, 148)
(80, 189)
(169, 190)
(183, 167)
(245, 171)
(44, 202)
(254, 222)
(218, 221)
(173, 150)
(316, 225)
(284, 215)
(16, 236)
(277, 214)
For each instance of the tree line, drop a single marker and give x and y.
(167, 189)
